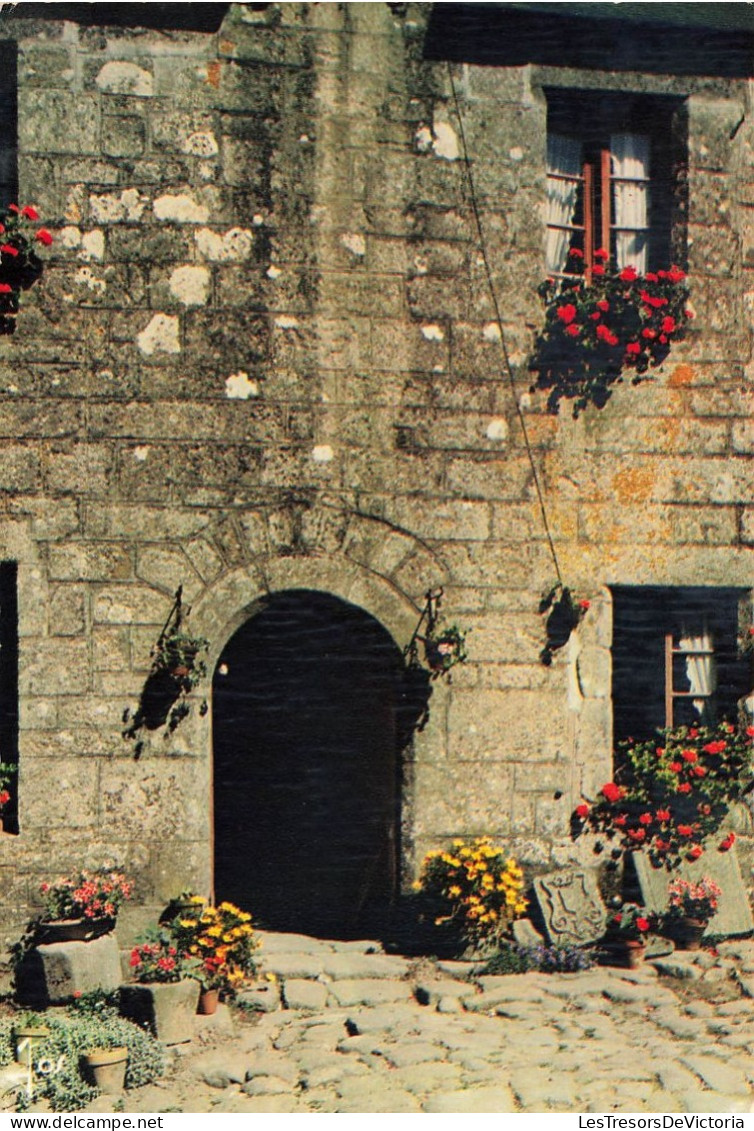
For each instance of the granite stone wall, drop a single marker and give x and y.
(263, 355)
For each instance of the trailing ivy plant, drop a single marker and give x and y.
(598, 329)
(57, 1059)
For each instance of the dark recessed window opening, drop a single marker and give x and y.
(676, 658)
(9, 125)
(616, 179)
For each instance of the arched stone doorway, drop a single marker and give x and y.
(309, 718)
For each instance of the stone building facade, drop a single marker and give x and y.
(263, 363)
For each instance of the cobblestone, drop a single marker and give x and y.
(605, 1040)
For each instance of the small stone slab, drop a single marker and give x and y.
(264, 997)
(430, 993)
(356, 965)
(733, 916)
(571, 906)
(53, 972)
(301, 993)
(301, 965)
(495, 1100)
(369, 991)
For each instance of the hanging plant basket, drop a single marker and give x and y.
(564, 614)
(605, 327)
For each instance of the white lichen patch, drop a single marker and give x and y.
(257, 220)
(70, 237)
(203, 143)
(273, 272)
(181, 209)
(445, 142)
(111, 208)
(120, 77)
(433, 332)
(85, 277)
(423, 139)
(286, 322)
(233, 245)
(420, 265)
(355, 243)
(497, 429)
(516, 153)
(160, 336)
(491, 332)
(190, 285)
(240, 387)
(322, 453)
(141, 452)
(524, 401)
(93, 245)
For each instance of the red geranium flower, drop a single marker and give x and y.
(636, 834)
(663, 814)
(668, 324)
(582, 811)
(727, 843)
(44, 237)
(676, 275)
(685, 830)
(689, 755)
(566, 313)
(576, 253)
(621, 820)
(699, 772)
(612, 792)
(695, 851)
(584, 604)
(5, 289)
(598, 269)
(676, 767)
(642, 924)
(30, 213)
(573, 330)
(711, 747)
(602, 253)
(633, 348)
(8, 249)
(684, 787)
(645, 819)
(603, 305)
(628, 275)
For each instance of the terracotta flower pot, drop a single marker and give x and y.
(208, 1002)
(687, 933)
(106, 1069)
(26, 1040)
(627, 952)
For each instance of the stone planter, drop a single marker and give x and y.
(106, 1069)
(208, 1002)
(74, 930)
(26, 1039)
(168, 1008)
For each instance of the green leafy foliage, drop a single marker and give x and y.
(673, 792)
(57, 1060)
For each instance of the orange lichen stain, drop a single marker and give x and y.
(226, 46)
(681, 375)
(213, 74)
(633, 485)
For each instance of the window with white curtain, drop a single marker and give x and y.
(615, 180)
(676, 657)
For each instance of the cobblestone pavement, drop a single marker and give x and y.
(347, 1029)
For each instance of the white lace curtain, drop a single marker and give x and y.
(629, 157)
(563, 160)
(701, 670)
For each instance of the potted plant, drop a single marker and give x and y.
(222, 942)
(626, 934)
(20, 266)
(672, 793)
(564, 614)
(165, 994)
(29, 1031)
(176, 654)
(472, 891)
(690, 908)
(600, 327)
(105, 1067)
(444, 648)
(83, 906)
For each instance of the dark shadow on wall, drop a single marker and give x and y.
(312, 708)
